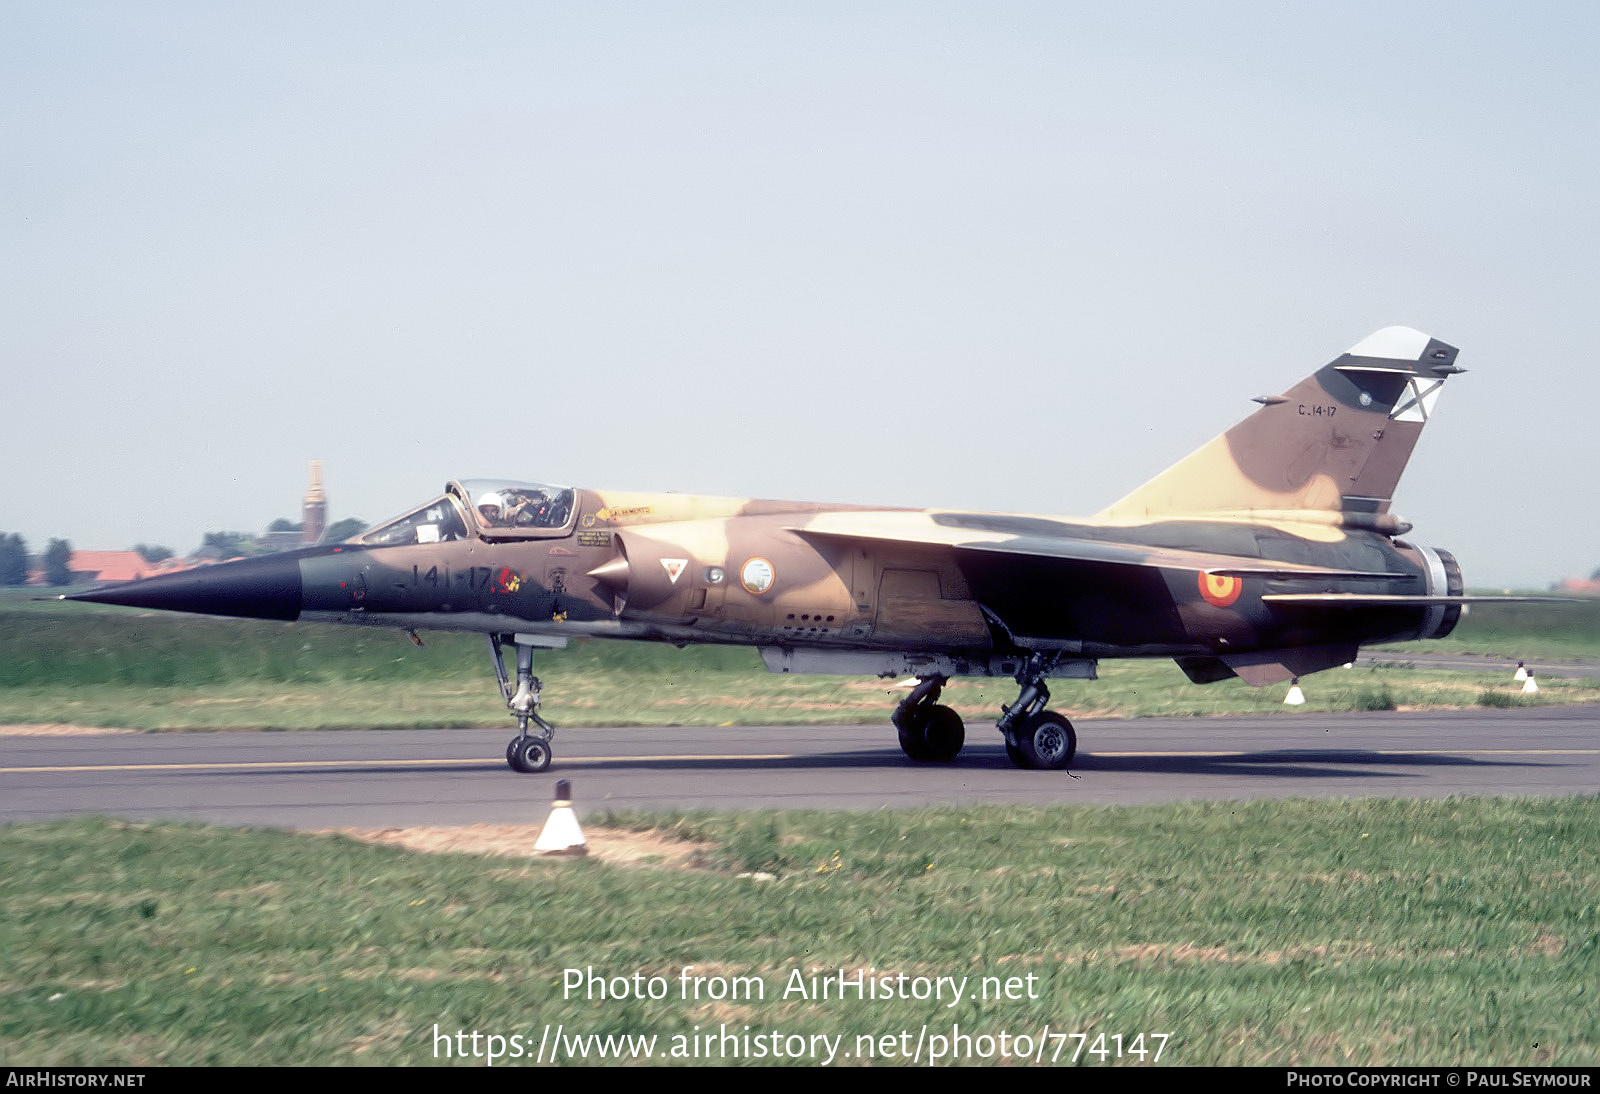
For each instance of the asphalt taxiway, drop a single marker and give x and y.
(416, 777)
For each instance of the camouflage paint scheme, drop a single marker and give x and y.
(1267, 554)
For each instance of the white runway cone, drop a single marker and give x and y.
(1296, 697)
(561, 834)
(1521, 674)
(1528, 686)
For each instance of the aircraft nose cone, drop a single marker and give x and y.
(255, 588)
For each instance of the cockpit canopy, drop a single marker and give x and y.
(494, 508)
(502, 508)
(437, 522)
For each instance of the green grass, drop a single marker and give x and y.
(1548, 632)
(90, 665)
(1334, 933)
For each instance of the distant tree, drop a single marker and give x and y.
(284, 524)
(57, 559)
(341, 530)
(230, 544)
(13, 560)
(1595, 576)
(152, 554)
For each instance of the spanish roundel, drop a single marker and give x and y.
(1220, 591)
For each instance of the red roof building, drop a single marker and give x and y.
(99, 567)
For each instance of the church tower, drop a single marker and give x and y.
(314, 510)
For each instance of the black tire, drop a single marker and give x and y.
(1047, 741)
(910, 727)
(511, 751)
(530, 755)
(943, 734)
(1015, 755)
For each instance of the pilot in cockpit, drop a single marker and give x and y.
(491, 509)
(525, 507)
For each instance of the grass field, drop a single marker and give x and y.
(88, 665)
(1548, 632)
(1367, 932)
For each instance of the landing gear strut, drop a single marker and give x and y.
(1036, 737)
(929, 733)
(528, 753)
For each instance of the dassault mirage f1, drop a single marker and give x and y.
(1267, 554)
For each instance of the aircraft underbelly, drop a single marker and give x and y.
(1098, 603)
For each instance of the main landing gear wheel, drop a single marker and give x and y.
(944, 735)
(930, 734)
(1036, 737)
(1046, 741)
(908, 728)
(529, 755)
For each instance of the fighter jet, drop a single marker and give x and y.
(1269, 553)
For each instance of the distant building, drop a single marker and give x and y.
(284, 535)
(101, 567)
(314, 510)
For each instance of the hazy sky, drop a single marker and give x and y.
(1011, 256)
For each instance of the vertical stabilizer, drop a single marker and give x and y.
(1335, 442)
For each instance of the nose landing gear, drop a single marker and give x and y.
(528, 752)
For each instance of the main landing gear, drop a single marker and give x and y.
(1035, 737)
(929, 733)
(528, 753)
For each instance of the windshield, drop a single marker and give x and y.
(517, 507)
(437, 522)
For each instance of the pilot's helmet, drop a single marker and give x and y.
(489, 501)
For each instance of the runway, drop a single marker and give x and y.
(405, 778)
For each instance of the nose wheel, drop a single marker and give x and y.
(529, 755)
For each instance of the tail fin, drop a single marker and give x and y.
(1336, 442)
